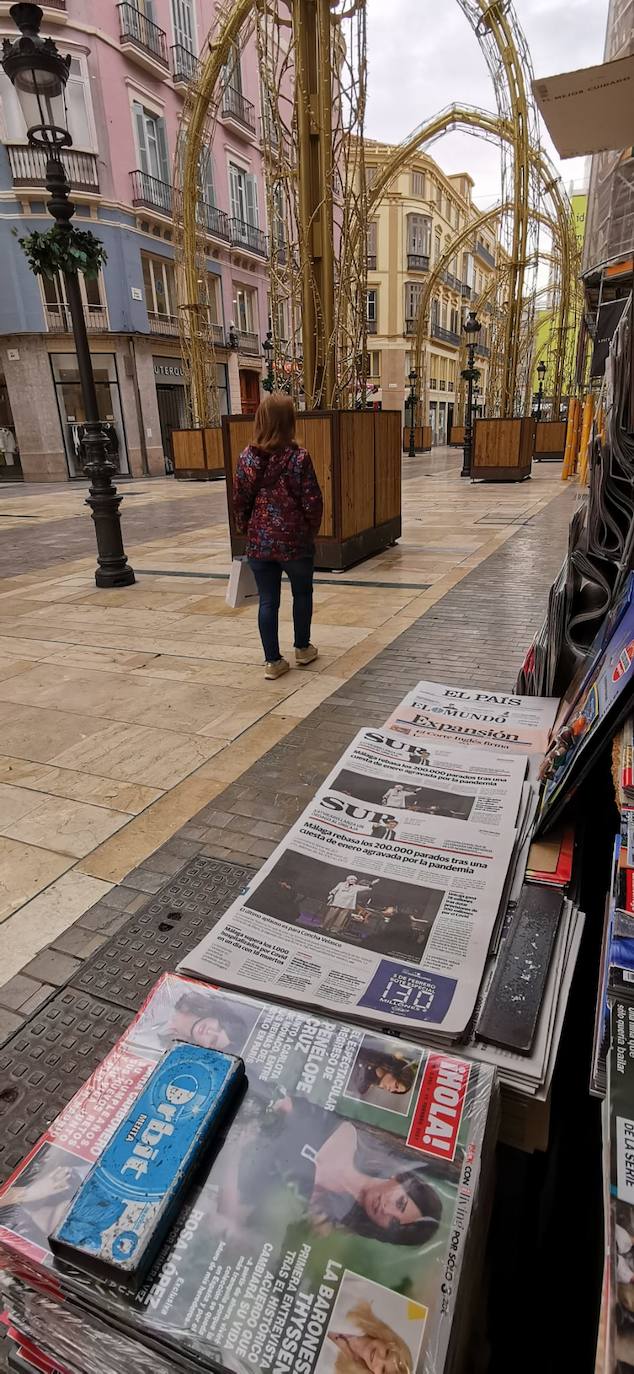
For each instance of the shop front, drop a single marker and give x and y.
(172, 400)
(10, 466)
(71, 408)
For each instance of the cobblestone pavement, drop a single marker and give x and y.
(66, 1006)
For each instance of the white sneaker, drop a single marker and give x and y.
(277, 669)
(305, 656)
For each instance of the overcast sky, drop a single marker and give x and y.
(423, 55)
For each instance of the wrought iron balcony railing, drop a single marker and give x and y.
(418, 262)
(445, 335)
(28, 167)
(483, 350)
(453, 282)
(482, 252)
(58, 319)
(466, 291)
(150, 191)
(137, 31)
(215, 221)
(236, 106)
(371, 262)
(245, 235)
(411, 326)
(162, 324)
(184, 64)
(372, 326)
(248, 343)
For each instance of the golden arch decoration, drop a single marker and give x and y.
(311, 22)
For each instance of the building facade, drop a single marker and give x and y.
(416, 221)
(130, 65)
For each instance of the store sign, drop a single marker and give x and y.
(169, 368)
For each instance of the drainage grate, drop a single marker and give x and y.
(153, 942)
(44, 1064)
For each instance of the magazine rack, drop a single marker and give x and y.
(357, 458)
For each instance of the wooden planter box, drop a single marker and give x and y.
(357, 458)
(550, 441)
(456, 437)
(422, 438)
(503, 450)
(198, 454)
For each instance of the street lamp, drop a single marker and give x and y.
(267, 348)
(470, 374)
(411, 401)
(38, 73)
(541, 373)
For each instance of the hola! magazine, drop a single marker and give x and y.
(339, 1223)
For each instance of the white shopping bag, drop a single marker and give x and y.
(242, 589)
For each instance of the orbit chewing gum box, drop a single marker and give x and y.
(125, 1206)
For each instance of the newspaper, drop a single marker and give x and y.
(413, 898)
(337, 1216)
(436, 779)
(496, 721)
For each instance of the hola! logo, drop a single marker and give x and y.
(624, 662)
(438, 1112)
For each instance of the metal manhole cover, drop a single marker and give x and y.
(46, 1061)
(154, 941)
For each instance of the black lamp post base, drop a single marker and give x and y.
(113, 569)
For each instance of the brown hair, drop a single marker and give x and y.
(275, 423)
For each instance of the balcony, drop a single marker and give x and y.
(58, 319)
(466, 291)
(248, 343)
(411, 326)
(243, 235)
(418, 262)
(444, 335)
(453, 282)
(372, 326)
(483, 350)
(235, 106)
(214, 220)
(162, 324)
(484, 254)
(218, 335)
(152, 193)
(371, 262)
(143, 40)
(184, 65)
(28, 167)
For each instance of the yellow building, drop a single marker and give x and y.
(416, 221)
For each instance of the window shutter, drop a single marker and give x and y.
(139, 122)
(234, 188)
(252, 201)
(207, 176)
(161, 139)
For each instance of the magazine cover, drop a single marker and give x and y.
(496, 721)
(621, 1166)
(330, 1227)
(416, 896)
(391, 771)
(591, 720)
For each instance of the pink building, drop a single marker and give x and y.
(130, 66)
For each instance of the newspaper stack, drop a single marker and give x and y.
(388, 902)
(345, 1209)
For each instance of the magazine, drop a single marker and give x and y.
(416, 897)
(620, 1227)
(591, 719)
(335, 1213)
(436, 779)
(496, 721)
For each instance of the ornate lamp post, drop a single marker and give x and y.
(541, 373)
(412, 401)
(470, 374)
(267, 347)
(39, 73)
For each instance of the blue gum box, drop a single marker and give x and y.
(125, 1206)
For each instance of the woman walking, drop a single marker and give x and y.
(278, 504)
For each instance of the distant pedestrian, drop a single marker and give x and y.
(278, 504)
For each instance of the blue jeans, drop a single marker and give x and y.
(268, 576)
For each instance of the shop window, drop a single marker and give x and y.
(71, 407)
